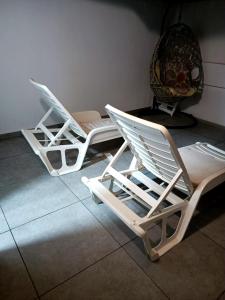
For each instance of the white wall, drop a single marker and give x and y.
(207, 19)
(89, 53)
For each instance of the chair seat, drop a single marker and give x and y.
(199, 165)
(88, 126)
(103, 136)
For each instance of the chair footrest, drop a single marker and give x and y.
(122, 211)
(135, 222)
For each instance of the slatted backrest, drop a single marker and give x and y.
(153, 147)
(54, 103)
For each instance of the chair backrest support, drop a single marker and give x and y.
(153, 147)
(55, 104)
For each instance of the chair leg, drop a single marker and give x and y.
(77, 166)
(64, 168)
(165, 243)
(95, 198)
(189, 213)
(153, 255)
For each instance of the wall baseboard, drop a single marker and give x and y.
(10, 135)
(135, 112)
(211, 124)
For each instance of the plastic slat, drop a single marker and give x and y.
(59, 108)
(152, 148)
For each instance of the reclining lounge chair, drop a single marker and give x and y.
(169, 200)
(79, 130)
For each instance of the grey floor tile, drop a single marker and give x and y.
(120, 232)
(3, 224)
(61, 244)
(124, 161)
(194, 269)
(114, 277)
(126, 154)
(216, 230)
(174, 131)
(13, 146)
(14, 280)
(185, 138)
(20, 168)
(209, 131)
(221, 146)
(180, 131)
(211, 218)
(22, 203)
(73, 180)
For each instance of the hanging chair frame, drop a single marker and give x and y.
(169, 51)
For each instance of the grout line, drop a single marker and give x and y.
(61, 283)
(96, 262)
(219, 143)
(40, 217)
(4, 231)
(106, 227)
(153, 281)
(215, 86)
(86, 198)
(197, 135)
(119, 247)
(101, 224)
(122, 246)
(220, 295)
(82, 270)
(16, 155)
(68, 187)
(51, 212)
(5, 221)
(212, 62)
(209, 238)
(18, 249)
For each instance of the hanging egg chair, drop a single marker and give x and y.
(176, 70)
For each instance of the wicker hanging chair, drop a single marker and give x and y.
(176, 70)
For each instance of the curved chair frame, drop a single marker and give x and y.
(175, 192)
(78, 132)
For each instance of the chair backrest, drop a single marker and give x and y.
(153, 147)
(55, 104)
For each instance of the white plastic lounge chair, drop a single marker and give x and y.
(169, 201)
(79, 130)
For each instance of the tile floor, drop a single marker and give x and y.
(56, 243)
